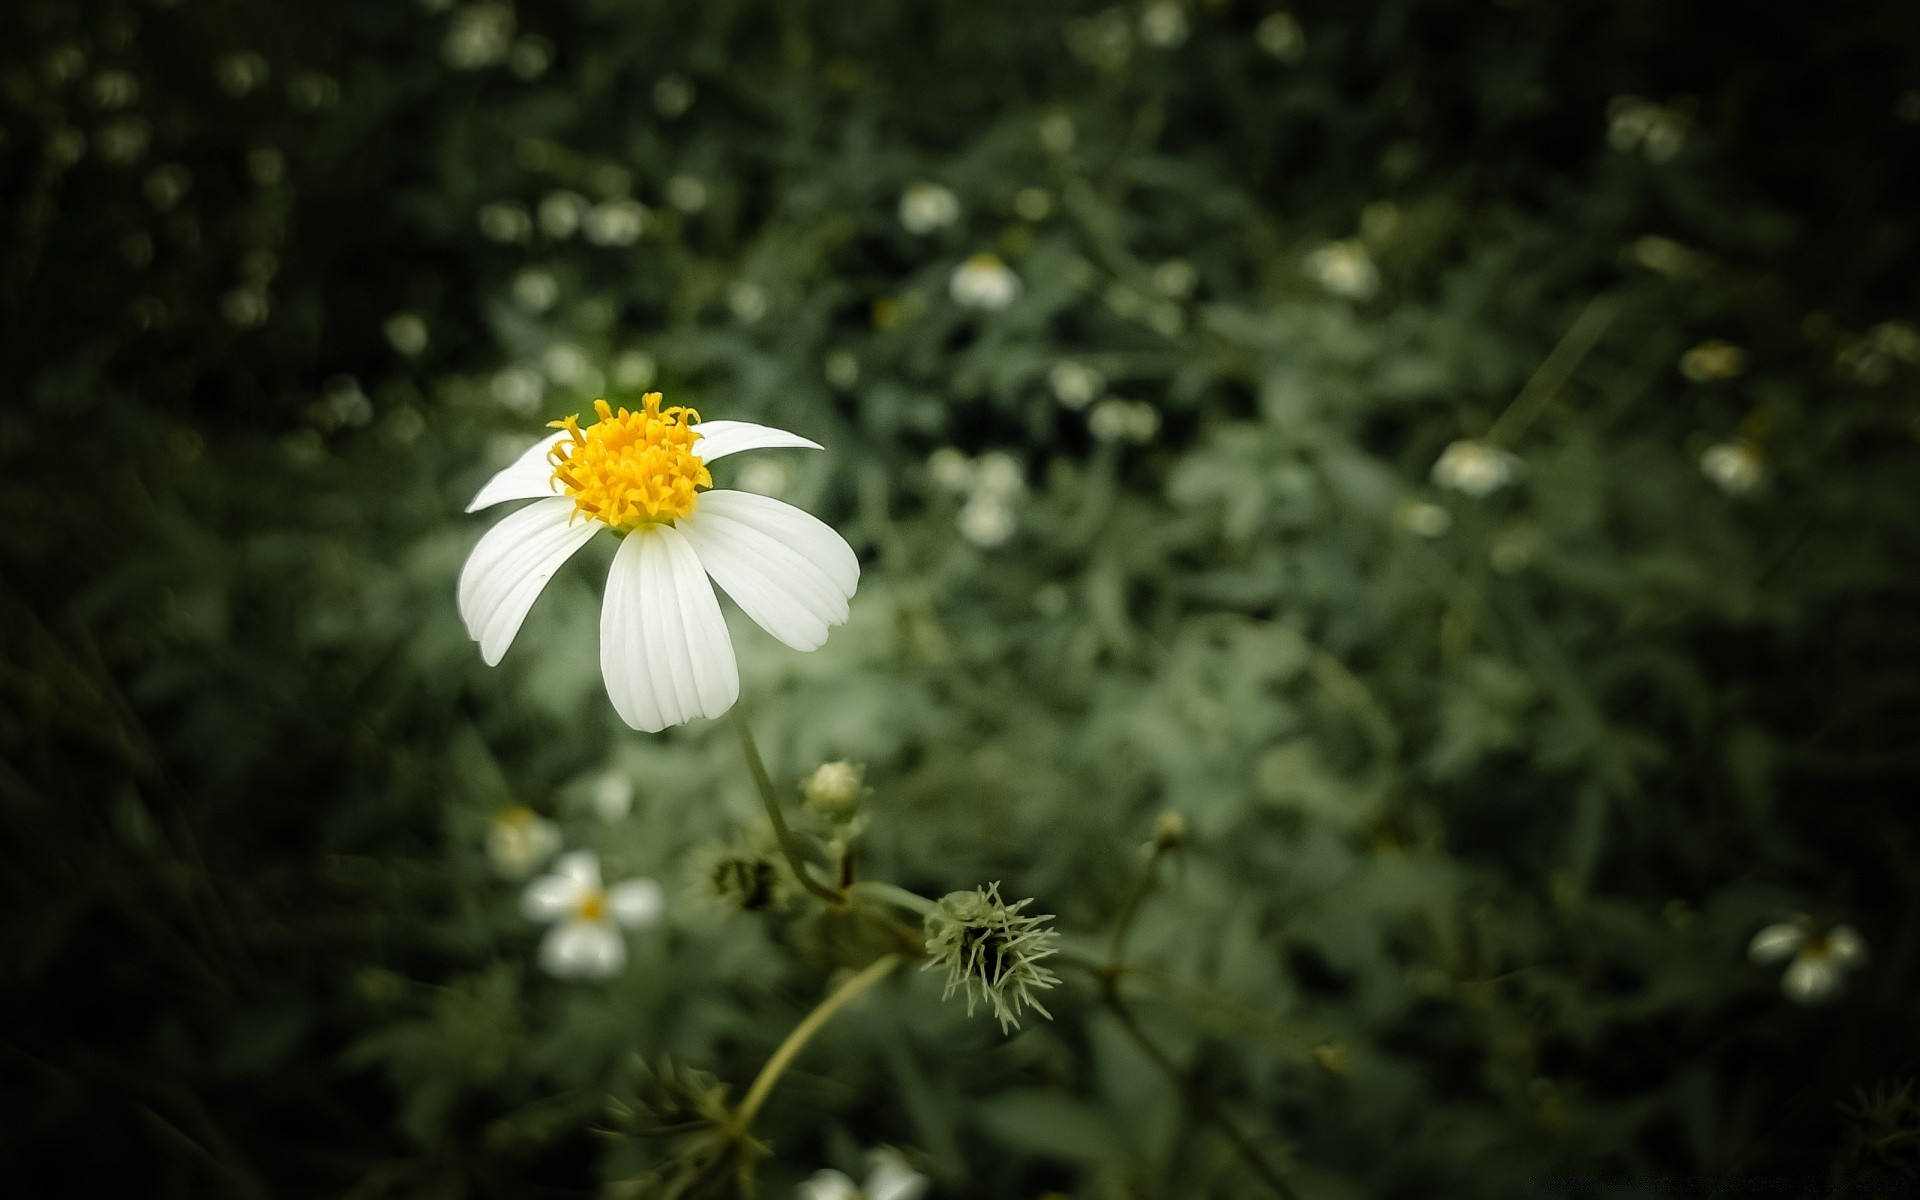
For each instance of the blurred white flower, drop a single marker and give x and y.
(1075, 385)
(407, 333)
(125, 140)
(1424, 519)
(1163, 23)
(1032, 204)
(925, 207)
(747, 301)
(665, 652)
(634, 369)
(1475, 467)
(951, 469)
(535, 290)
(1713, 361)
(529, 58)
(888, 1178)
(998, 473)
(504, 221)
(1345, 269)
(983, 281)
(1116, 420)
(477, 36)
(167, 185)
(616, 223)
(245, 307)
(310, 91)
(1736, 468)
(1655, 130)
(115, 89)
(1279, 34)
(519, 839)
(613, 796)
(1819, 960)
(560, 214)
(567, 364)
(519, 390)
(987, 521)
(586, 941)
(240, 72)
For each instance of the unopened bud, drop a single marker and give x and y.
(834, 791)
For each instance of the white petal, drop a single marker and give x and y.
(1810, 980)
(785, 569)
(1776, 942)
(635, 903)
(664, 649)
(892, 1179)
(550, 898)
(1845, 946)
(528, 477)
(583, 950)
(509, 567)
(720, 438)
(581, 866)
(829, 1185)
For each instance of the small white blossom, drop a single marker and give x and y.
(1424, 519)
(530, 57)
(519, 390)
(616, 223)
(535, 290)
(1656, 131)
(1075, 385)
(1115, 420)
(1164, 24)
(478, 36)
(1345, 269)
(1475, 467)
(560, 214)
(983, 281)
(673, 95)
(504, 221)
(567, 365)
(987, 521)
(686, 193)
(1279, 35)
(1819, 961)
(1713, 361)
(613, 797)
(1736, 468)
(747, 301)
(519, 839)
(925, 207)
(951, 469)
(585, 941)
(888, 1178)
(634, 369)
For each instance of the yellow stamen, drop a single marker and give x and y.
(631, 468)
(591, 906)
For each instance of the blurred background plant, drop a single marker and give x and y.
(1461, 461)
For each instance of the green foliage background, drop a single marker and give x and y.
(1481, 822)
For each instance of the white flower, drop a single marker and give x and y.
(585, 941)
(616, 223)
(519, 839)
(987, 521)
(925, 207)
(1345, 269)
(613, 797)
(1075, 385)
(1476, 468)
(407, 333)
(1424, 519)
(1163, 24)
(1114, 420)
(1819, 961)
(889, 1178)
(983, 281)
(664, 648)
(1279, 34)
(1735, 467)
(560, 213)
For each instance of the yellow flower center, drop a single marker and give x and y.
(631, 468)
(591, 906)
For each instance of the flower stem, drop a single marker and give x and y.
(789, 845)
(1553, 372)
(803, 1032)
(1149, 875)
(894, 894)
(1201, 1099)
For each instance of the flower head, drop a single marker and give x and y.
(983, 281)
(585, 941)
(1476, 468)
(664, 648)
(888, 1178)
(992, 952)
(925, 207)
(519, 839)
(833, 791)
(744, 874)
(1819, 959)
(1736, 468)
(1345, 269)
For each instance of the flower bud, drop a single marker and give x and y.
(1169, 831)
(834, 791)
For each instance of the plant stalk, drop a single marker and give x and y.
(789, 844)
(803, 1033)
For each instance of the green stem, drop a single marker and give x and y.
(1142, 888)
(789, 844)
(803, 1033)
(894, 894)
(1201, 1100)
(1552, 374)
